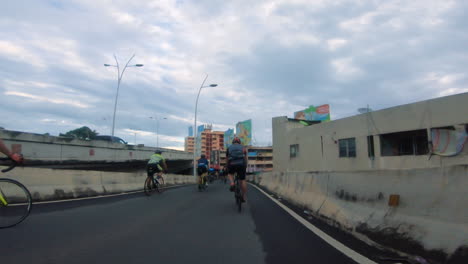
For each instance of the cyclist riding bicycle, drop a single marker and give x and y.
(202, 169)
(14, 156)
(236, 156)
(156, 164)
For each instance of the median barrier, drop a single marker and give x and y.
(53, 184)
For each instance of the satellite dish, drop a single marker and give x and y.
(364, 110)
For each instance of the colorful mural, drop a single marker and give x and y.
(244, 132)
(319, 113)
(228, 137)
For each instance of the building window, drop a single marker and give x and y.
(404, 143)
(347, 147)
(370, 147)
(293, 150)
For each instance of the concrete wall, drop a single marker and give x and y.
(353, 192)
(318, 144)
(431, 218)
(51, 184)
(50, 148)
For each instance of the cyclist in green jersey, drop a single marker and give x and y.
(156, 164)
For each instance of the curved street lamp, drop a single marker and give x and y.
(119, 79)
(195, 125)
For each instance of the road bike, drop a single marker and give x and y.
(202, 184)
(154, 184)
(15, 200)
(238, 193)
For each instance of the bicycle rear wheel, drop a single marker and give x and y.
(149, 187)
(15, 203)
(238, 195)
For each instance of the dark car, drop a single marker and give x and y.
(110, 139)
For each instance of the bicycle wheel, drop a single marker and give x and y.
(238, 195)
(149, 186)
(15, 203)
(160, 184)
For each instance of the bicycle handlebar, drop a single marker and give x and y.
(12, 166)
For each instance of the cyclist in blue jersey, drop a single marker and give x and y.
(236, 156)
(202, 169)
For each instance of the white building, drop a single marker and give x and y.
(400, 173)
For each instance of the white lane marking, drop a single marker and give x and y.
(330, 240)
(100, 196)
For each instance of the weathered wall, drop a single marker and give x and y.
(50, 184)
(50, 148)
(318, 143)
(431, 214)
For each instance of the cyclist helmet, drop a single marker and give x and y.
(158, 152)
(236, 140)
(203, 156)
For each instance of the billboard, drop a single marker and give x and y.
(319, 113)
(244, 132)
(228, 137)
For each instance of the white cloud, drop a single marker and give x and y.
(16, 52)
(346, 69)
(47, 99)
(334, 44)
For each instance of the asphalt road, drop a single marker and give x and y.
(180, 225)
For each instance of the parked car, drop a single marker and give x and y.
(113, 139)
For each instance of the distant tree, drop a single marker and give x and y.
(81, 133)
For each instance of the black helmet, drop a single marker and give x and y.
(158, 152)
(203, 156)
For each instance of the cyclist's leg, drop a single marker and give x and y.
(150, 173)
(158, 177)
(204, 178)
(241, 174)
(231, 172)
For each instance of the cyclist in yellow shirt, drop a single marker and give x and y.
(156, 164)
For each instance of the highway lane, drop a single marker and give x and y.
(179, 226)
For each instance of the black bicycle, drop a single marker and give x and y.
(153, 184)
(238, 193)
(15, 200)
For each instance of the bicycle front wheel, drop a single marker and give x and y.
(160, 184)
(15, 203)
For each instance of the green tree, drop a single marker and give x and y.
(81, 133)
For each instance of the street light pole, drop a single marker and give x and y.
(157, 132)
(119, 79)
(157, 128)
(195, 125)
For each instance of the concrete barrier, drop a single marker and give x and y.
(431, 218)
(50, 184)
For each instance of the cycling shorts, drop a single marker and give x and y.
(239, 169)
(151, 169)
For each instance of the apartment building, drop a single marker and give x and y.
(260, 159)
(210, 141)
(189, 145)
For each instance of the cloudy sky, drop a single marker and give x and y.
(269, 58)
